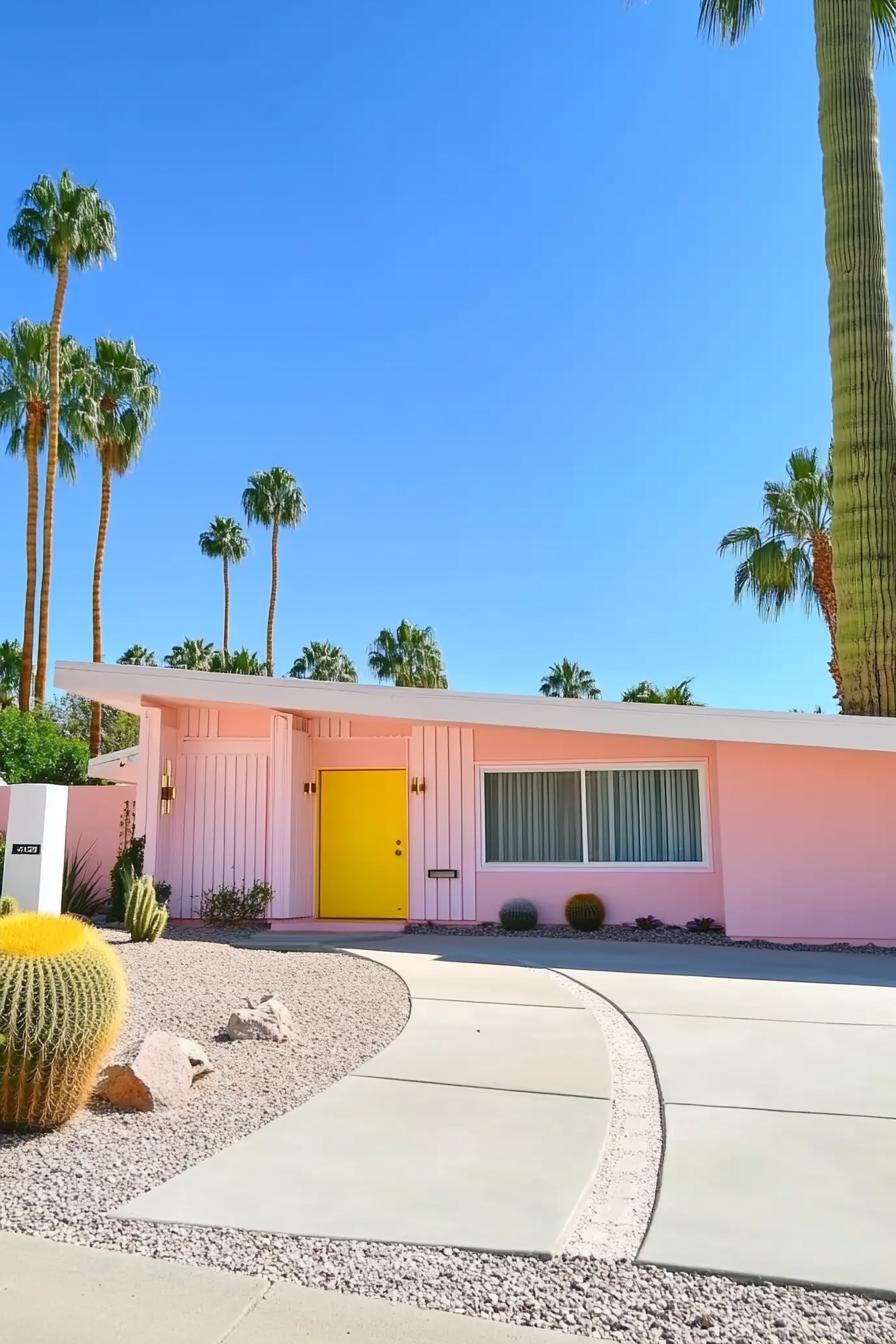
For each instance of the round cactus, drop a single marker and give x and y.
(8, 906)
(62, 1000)
(144, 917)
(585, 912)
(518, 914)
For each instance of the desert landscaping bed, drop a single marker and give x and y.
(627, 933)
(64, 1184)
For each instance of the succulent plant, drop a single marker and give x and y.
(62, 1000)
(648, 923)
(518, 914)
(585, 912)
(8, 906)
(704, 924)
(144, 918)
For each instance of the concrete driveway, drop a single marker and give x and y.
(777, 1072)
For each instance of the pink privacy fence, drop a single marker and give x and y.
(94, 818)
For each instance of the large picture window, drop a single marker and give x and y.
(593, 815)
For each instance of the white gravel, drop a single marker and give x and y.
(346, 1009)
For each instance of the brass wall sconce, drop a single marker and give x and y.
(168, 792)
(418, 785)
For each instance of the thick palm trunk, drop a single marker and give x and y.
(273, 602)
(226, 609)
(864, 394)
(40, 679)
(32, 441)
(96, 710)
(823, 575)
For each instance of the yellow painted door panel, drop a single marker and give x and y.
(363, 844)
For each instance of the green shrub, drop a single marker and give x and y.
(518, 914)
(33, 750)
(126, 867)
(81, 894)
(585, 912)
(163, 892)
(144, 917)
(235, 905)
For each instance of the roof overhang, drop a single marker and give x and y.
(133, 687)
(118, 767)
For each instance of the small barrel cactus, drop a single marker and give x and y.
(144, 918)
(585, 912)
(62, 1000)
(8, 906)
(518, 915)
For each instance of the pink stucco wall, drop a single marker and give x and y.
(92, 824)
(809, 842)
(673, 895)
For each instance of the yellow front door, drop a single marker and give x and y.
(363, 844)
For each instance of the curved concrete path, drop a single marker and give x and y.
(480, 1126)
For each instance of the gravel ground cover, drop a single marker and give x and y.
(625, 933)
(61, 1185)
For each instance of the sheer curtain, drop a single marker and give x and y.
(643, 816)
(533, 816)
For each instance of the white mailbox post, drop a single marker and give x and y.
(35, 846)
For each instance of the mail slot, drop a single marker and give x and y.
(441, 872)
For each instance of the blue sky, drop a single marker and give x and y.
(530, 297)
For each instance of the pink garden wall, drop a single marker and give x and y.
(93, 822)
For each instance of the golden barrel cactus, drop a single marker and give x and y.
(62, 999)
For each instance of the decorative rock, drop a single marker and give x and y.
(197, 1055)
(264, 1019)
(159, 1075)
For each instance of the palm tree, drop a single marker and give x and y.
(408, 656)
(860, 336)
(10, 672)
(788, 557)
(273, 499)
(226, 541)
(24, 411)
(240, 661)
(137, 656)
(322, 661)
(59, 225)
(124, 395)
(570, 682)
(647, 693)
(194, 655)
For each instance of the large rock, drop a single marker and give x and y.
(159, 1075)
(264, 1019)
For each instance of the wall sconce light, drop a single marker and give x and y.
(418, 785)
(310, 787)
(168, 792)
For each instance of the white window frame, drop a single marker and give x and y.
(581, 768)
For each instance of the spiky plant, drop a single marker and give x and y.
(144, 918)
(62, 999)
(8, 906)
(518, 915)
(585, 912)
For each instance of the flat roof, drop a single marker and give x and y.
(130, 688)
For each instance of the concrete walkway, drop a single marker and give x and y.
(50, 1292)
(481, 1126)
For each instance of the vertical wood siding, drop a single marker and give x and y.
(218, 827)
(443, 823)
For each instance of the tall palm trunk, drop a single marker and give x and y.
(861, 336)
(33, 427)
(40, 680)
(226, 608)
(275, 530)
(96, 710)
(823, 577)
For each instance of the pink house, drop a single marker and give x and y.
(381, 803)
